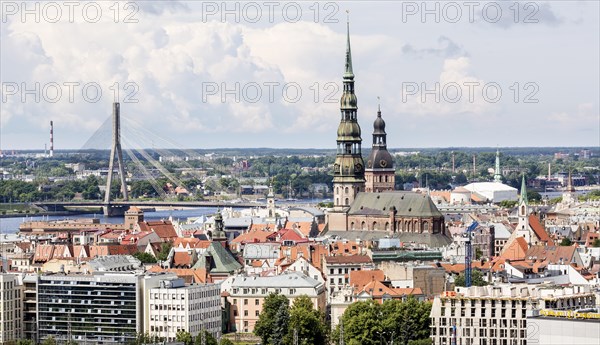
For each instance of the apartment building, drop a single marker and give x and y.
(11, 308)
(338, 268)
(246, 294)
(497, 315)
(100, 308)
(174, 306)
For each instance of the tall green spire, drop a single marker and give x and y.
(523, 190)
(348, 74)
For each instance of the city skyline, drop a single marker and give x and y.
(183, 60)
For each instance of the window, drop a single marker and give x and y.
(256, 313)
(256, 302)
(245, 301)
(245, 312)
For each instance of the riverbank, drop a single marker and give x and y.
(46, 213)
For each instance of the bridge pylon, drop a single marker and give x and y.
(115, 150)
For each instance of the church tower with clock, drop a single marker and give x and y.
(380, 172)
(349, 167)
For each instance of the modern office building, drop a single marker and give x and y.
(99, 308)
(11, 308)
(173, 306)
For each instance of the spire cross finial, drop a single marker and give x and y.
(348, 16)
(379, 105)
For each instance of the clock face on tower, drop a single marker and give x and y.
(383, 163)
(358, 167)
(369, 164)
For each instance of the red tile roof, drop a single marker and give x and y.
(197, 276)
(350, 259)
(359, 279)
(163, 228)
(253, 236)
(539, 230)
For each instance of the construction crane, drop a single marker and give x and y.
(468, 235)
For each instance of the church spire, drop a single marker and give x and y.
(348, 74)
(349, 170)
(524, 190)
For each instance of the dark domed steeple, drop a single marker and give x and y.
(380, 172)
(379, 124)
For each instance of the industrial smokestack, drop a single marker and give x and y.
(51, 138)
(549, 171)
(474, 167)
(453, 163)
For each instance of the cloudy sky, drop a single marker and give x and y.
(268, 74)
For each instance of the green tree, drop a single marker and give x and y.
(362, 323)
(534, 196)
(49, 341)
(308, 323)
(596, 243)
(280, 326)
(225, 341)
(142, 188)
(184, 337)
(476, 279)
(165, 248)
(24, 342)
(566, 242)
(265, 326)
(145, 258)
(508, 203)
(209, 339)
(370, 323)
(406, 320)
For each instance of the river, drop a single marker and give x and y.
(11, 225)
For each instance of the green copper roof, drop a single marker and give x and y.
(348, 73)
(222, 260)
(407, 204)
(524, 190)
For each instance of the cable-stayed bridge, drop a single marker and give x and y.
(134, 140)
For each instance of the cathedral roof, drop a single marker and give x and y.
(407, 204)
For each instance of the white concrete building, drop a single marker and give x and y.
(549, 327)
(493, 191)
(304, 266)
(174, 306)
(497, 315)
(11, 308)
